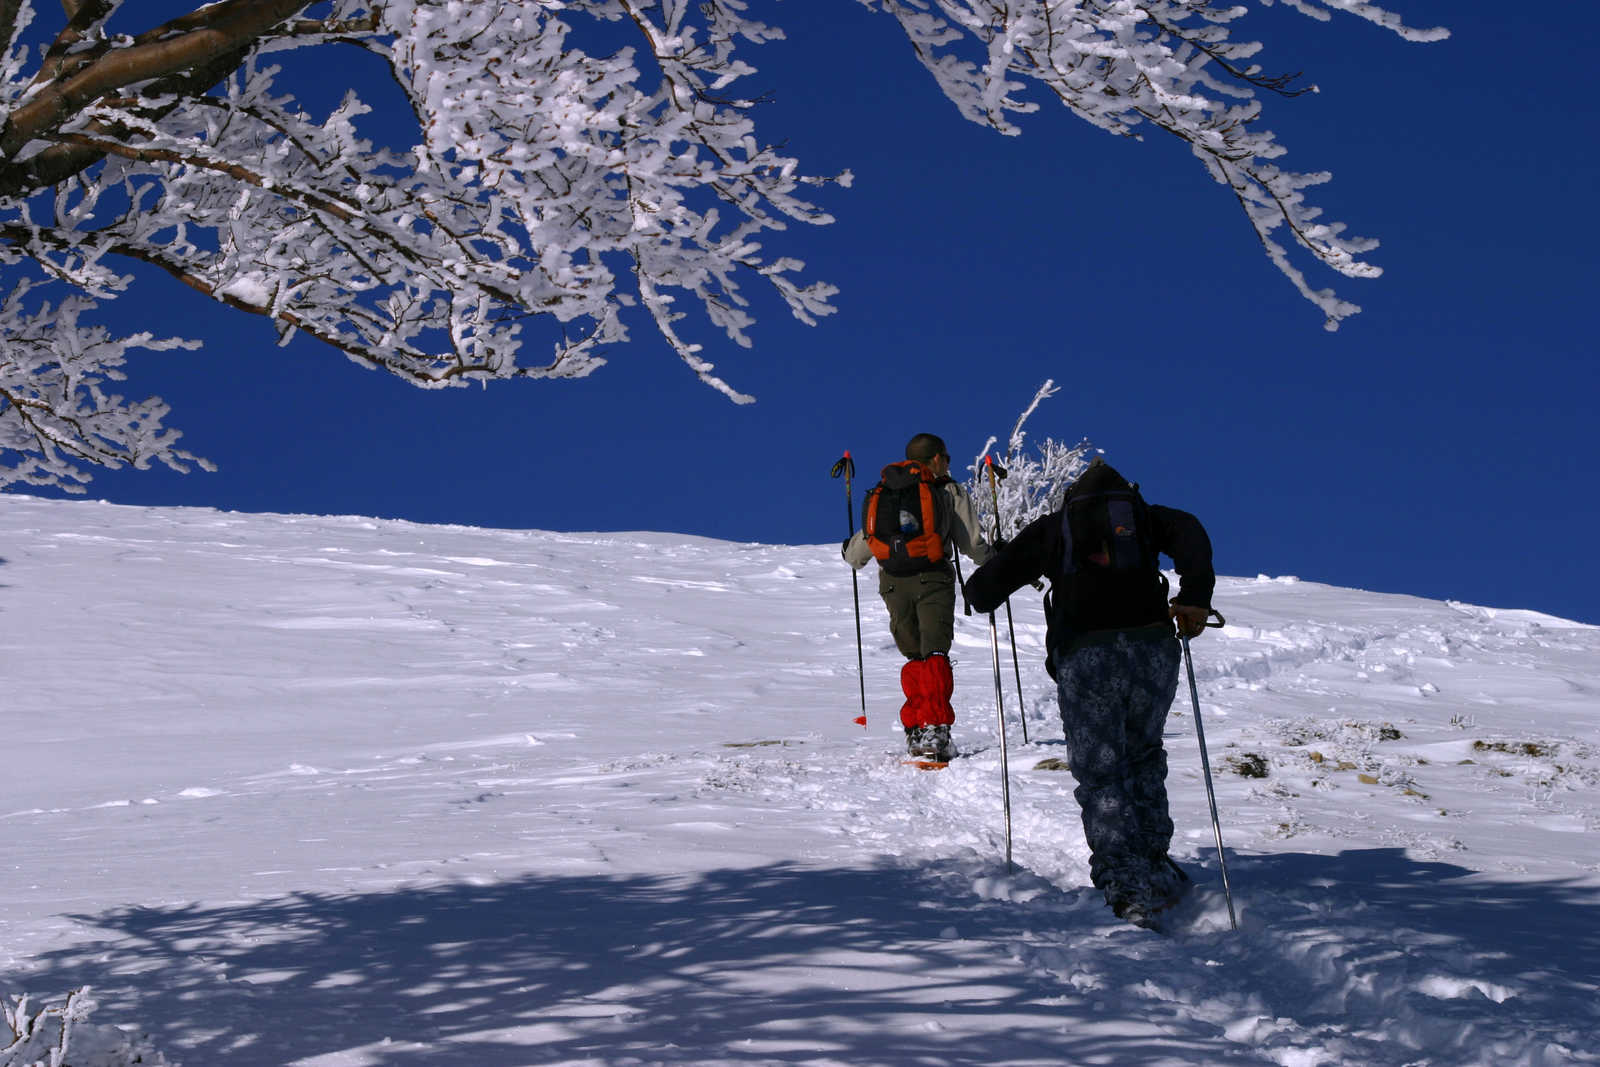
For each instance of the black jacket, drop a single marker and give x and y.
(1039, 551)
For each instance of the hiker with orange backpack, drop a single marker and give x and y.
(913, 522)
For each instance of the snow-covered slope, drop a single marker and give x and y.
(341, 792)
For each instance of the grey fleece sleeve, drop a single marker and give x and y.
(965, 533)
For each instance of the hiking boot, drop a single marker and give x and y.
(1122, 898)
(944, 749)
(1169, 881)
(919, 742)
(1137, 912)
(1133, 904)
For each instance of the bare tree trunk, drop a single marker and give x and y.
(221, 30)
(186, 57)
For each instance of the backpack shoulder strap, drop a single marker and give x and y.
(1069, 564)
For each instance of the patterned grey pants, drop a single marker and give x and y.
(1114, 701)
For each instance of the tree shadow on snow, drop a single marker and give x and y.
(1380, 924)
(787, 964)
(771, 965)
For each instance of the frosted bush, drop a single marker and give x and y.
(1036, 479)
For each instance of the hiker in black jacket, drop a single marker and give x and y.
(1110, 647)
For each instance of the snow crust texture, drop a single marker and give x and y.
(339, 792)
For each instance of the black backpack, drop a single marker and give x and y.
(902, 517)
(1105, 526)
(1109, 554)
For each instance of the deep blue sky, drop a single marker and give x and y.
(1440, 444)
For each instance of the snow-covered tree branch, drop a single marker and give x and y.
(57, 414)
(566, 160)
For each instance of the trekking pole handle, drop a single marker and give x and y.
(1219, 624)
(998, 472)
(847, 466)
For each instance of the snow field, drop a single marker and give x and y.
(338, 792)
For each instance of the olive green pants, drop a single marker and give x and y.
(922, 611)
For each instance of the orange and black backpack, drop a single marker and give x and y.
(902, 517)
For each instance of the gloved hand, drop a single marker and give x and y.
(844, 546)
(1191, 621)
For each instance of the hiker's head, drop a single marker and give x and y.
(927, 448)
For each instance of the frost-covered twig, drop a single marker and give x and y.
(58, 1035)
(42, 1038)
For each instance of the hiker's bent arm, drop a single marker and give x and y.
(1184, 539)
(1022, 561)
(965, 532)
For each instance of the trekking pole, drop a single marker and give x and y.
(998, 472)
(1000, 712)
(847, 466)
(1205, 765)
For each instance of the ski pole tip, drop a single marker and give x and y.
(861, 721)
